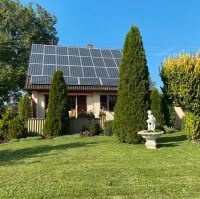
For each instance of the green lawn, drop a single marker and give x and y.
(99, 167)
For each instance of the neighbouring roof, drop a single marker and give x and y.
(91, 68)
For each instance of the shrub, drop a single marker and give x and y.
(4, 123)
(85, 134)
(108, 129)
(169, 129)
(133, 99)
(84, 114)
(157, 108)
(24, 109)
(192, 126)
(180, 75)
(94, 128)
(57, 116)
(16, 129)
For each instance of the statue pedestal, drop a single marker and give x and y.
(150, 138)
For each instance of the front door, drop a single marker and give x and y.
(81, 103)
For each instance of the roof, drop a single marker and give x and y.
(88, 67)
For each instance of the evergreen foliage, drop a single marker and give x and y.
(57, 115)
(157, 108)
(24, 109)
(16, 129)
(133, 99)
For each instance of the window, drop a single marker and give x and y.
(103, 102)
(112, 101)
(72, 103)
(108, 102)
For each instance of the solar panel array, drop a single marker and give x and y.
(80, 66)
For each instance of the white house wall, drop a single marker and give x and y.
(93, 104)
(38, 98)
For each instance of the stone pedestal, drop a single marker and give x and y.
(150, 138)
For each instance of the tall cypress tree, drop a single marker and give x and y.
(57, 115)
(157, 108)
(133, 94)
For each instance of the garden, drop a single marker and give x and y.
(110, 161)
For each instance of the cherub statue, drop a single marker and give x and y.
(151, 121)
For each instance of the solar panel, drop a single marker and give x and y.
(49, 59)
(71, 80)
(50, 50)
(64, 69)
(80, 66)
(74, 61)
(84, 52)
(37, 48)
(109, 62)
(62, 60)
(95, 52)
(90, 81)
(113, 72)
(73, 51)
(101, 72)
(109, 82)
(106, 53)
(89, 72)
(76, 71)
(41, 79)
(116, 53)
(62, 50)
(35, 69)
(36, 58)
(86, 61)
(49, 70)
(98, 62)
(118, 62)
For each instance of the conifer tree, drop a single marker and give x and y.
(133, 94)
(24, 109)
(157, 108)
(57, 115)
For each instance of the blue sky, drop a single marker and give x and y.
(167, 26)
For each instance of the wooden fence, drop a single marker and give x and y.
(75, 124)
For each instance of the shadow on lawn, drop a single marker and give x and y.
(12, 156)
(172, 141)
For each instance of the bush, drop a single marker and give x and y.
(157, 108)
(84, 114)
(24, 109)
(192, 126)
(57, 115)
(169, 129)
(94, 128)
(4, 123)
(16, 129)
(108, 129)
(85, 134)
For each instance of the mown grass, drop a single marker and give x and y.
(99, 167)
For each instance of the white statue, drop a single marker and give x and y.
(151, 121)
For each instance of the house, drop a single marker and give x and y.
(91, 75)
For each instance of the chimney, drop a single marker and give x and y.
(90, 45)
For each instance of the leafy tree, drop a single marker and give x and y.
(157, 107)
(20, 27)
(24, 109)
(133, 94)
(180, 75)
(57, 115)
